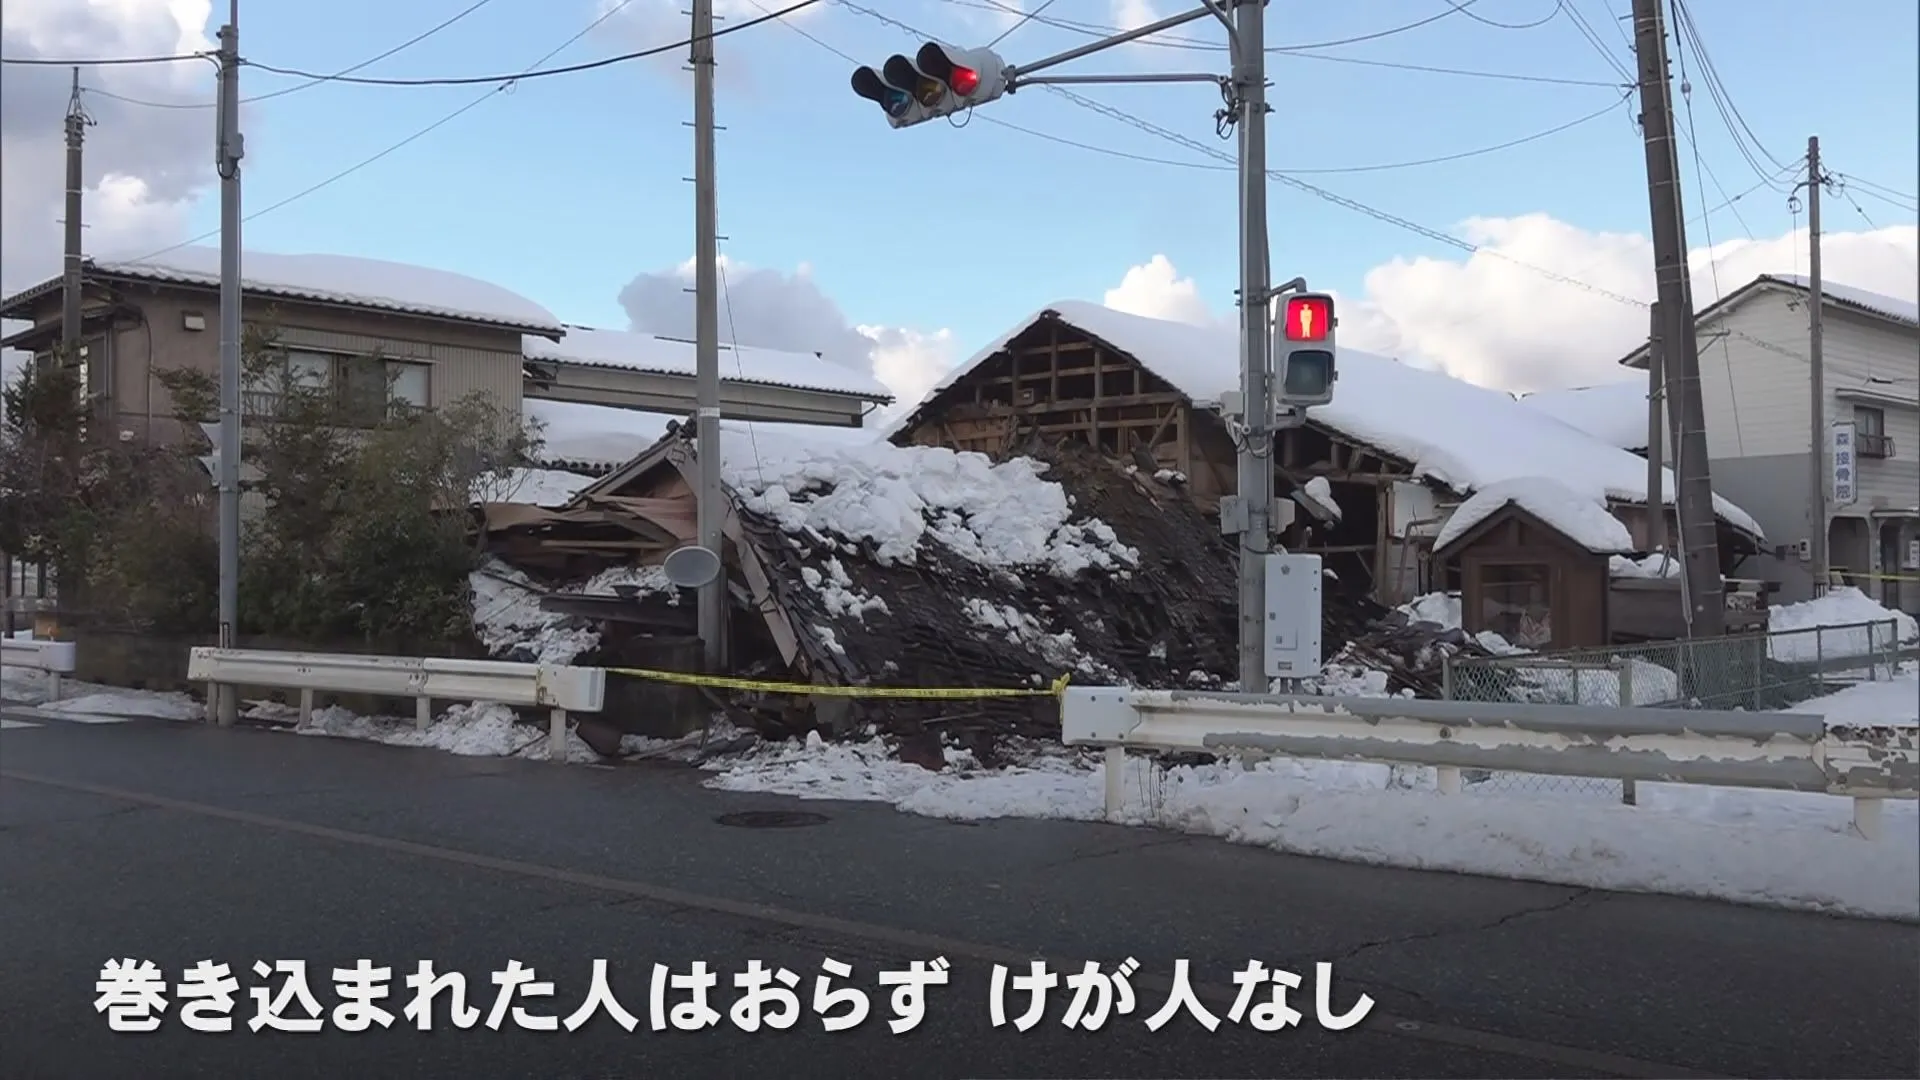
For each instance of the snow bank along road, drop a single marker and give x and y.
(177, 844)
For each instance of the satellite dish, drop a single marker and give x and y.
(692, 566)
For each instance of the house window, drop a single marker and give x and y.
(365, 387)
(1516, 602)
(1870, 432)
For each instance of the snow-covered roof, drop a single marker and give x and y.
(548, 488)
(1450, 432)
(635, 351)
(593, 434)
(1846, 295)
(1579, 517)
(346, 279)
(606, 436)
(1615, 413)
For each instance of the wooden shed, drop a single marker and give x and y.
(1529, 582)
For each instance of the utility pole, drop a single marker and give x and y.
(228, 150)
(710, 514)
(1816, 382)
(70, 284)
(1693, 489)
(1656, 438)
(1255, 463)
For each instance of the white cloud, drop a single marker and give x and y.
(1133, 14)
(1490, 320)
(144, 167)
(1156, 290)
(765, 307)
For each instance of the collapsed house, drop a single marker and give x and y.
(1375, 474)
(1051, 509)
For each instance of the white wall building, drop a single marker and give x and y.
(1755, 385)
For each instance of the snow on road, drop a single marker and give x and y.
(1773, 848)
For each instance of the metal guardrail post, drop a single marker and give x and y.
(1629, 792)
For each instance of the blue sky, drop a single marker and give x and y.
(566, 187)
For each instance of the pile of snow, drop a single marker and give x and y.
(1318, 492)
(509, 621)
(1581, 518)
(1804, 632)
(637, 351)
(1439, 608)
(1657, 565)
(1778, 849)
(1453, 432)
(344, 279)
(479, 729)
(1006, 515)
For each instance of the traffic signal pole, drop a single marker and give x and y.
(941, 81)
(709, 511)
(1255, 465)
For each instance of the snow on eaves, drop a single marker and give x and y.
(1581, 519)
(1449, 431)
(1614, 413)
(636, 351)
(1878, 303)
(891, 499)
(346, 279)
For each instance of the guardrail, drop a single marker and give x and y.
(56, 658)
(1772, 751)
(561, 689)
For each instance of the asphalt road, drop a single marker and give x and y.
(176, 843)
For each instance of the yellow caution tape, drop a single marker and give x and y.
(727, 682)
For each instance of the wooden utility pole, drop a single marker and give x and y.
(1656, 438)
(1693, 487)
(70, 284)
(1817, 502)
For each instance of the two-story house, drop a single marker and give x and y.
(370, 328)
(1755, 388)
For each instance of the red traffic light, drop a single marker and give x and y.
(964, 80)
(1309, 318)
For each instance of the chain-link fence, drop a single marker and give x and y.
(1755, 672)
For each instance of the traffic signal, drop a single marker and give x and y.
(937, 81)
(1305, 352)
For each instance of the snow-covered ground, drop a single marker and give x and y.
(1779, 849)
(22, 686)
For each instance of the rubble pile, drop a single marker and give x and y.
(1411, 652)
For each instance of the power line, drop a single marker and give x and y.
(104, 61)
(1743, 137)
(505, 84)
(1174, 41)
(1482, 19)
(1592, 36)
(1509, 76)
(1884, 194)
(570, 69)
(369, 62)
(1713, 261)
(1022, 21)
